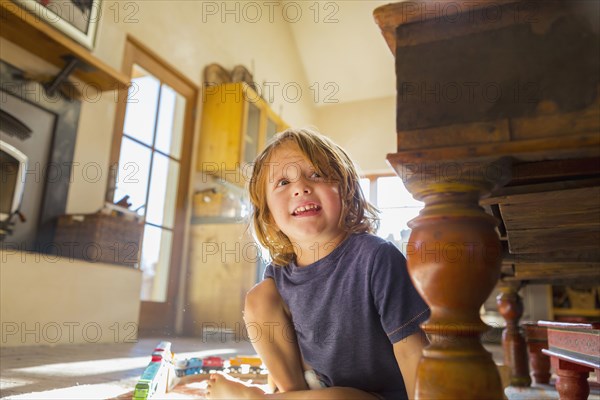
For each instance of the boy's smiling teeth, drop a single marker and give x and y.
(305, 208)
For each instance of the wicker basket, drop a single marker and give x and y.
(99, 237)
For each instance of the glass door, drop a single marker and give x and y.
(153, 172)
(252, 133)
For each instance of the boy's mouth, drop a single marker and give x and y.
(307, 209)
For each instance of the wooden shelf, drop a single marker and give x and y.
(217, 220)
(577, 312)
(34, 35)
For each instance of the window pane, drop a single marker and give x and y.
(156, 254)
(365, 185)
(133, 174)
(142, 100)
(271, 129)
(394, 223)
(169, 130)
(251, 136)
(163, 191)
(392, 193)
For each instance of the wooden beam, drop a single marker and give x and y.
(578, 146)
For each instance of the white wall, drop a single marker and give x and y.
(365, 129)
(537, 302)
(47, 300)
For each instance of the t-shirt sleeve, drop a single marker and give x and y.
(398, 303)
(269, 272)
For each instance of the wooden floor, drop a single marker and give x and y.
(104, 371)
(93, 371)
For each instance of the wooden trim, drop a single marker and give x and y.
(148, 52)
(122, 94)
(262, 126)
(572, 357)
(244, 126)
(272, 115)
(570, 325)
(379, 175)
(373, 184)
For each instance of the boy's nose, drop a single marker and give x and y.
(302, 188)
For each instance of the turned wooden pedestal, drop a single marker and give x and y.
(510, 307)
(492, 95)
(454, 257)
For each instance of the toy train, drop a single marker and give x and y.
(165, 371)
(193, 366)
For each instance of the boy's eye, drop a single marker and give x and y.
(315, 175)
(283, 182)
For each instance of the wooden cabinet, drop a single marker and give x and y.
(236, 124)
(223, 261)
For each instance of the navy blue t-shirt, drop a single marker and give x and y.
(349, 308)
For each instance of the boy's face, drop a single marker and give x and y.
(304, 206)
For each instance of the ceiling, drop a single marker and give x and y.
(342, 50)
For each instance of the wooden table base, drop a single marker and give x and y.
(574, 349)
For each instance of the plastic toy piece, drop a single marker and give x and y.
(188, 366)
(159, 376)
(255, 363)
(212, 363)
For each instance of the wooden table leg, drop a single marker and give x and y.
(510, 307)
(571, 383)
(454, 256)
(537, 339)
(540, 363)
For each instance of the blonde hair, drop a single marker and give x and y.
(331, 162)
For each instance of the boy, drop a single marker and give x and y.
(347, 294)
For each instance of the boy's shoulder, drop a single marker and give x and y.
(369, 240)
(371, 246)
(375, 247)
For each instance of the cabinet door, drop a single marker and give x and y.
(221, 129)
(236, 124)
(222, 270)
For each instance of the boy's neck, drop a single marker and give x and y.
(310, 252)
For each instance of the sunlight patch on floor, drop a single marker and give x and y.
(9, 383)
(115, 390)
(83, 392)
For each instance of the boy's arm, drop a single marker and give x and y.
(408, 353)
